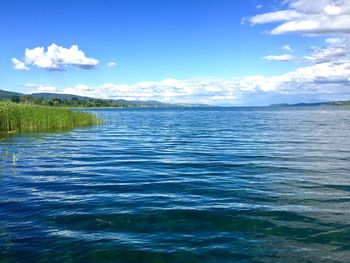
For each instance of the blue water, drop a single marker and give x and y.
(181, 185)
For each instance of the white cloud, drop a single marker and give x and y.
(283, 57)
(337, 50)
(328, 75)
(309, 17)
(330, 78)
(327, 54)
(37, 88)
(287, 48)
(19, 65)
(111, 64)
(167, 90)
(278, 16)
(329, 72)
(57, 58)
(334, 41)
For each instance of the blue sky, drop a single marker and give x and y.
(218, 52)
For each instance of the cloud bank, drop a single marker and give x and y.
(327, 76)
(55, 58)
(308, 17)
(330, 78)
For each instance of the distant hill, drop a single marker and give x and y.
(311, 104)
(8, 94)
(69, 97)
(57, 96)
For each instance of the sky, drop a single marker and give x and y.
(224, 52)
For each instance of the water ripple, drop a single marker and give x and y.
(172, 185)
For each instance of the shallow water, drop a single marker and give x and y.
(181, 185)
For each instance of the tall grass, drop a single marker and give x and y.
(30, 118)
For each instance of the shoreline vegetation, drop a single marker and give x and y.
(341, 103)
(49, 113)
(75, 101)
(20, 117)
(72, 102)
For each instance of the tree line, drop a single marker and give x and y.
(74, 102)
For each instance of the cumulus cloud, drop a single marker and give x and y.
(283, 57)
(56, 58)
(42, 88)
(334, 41)
(337, 50)
(111, 64)
(315, 80)
(309, 17)
(327, 54)
(328, 75)
(19, 65)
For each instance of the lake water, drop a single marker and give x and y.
(181, 185)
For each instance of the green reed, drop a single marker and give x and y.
(30, 118)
